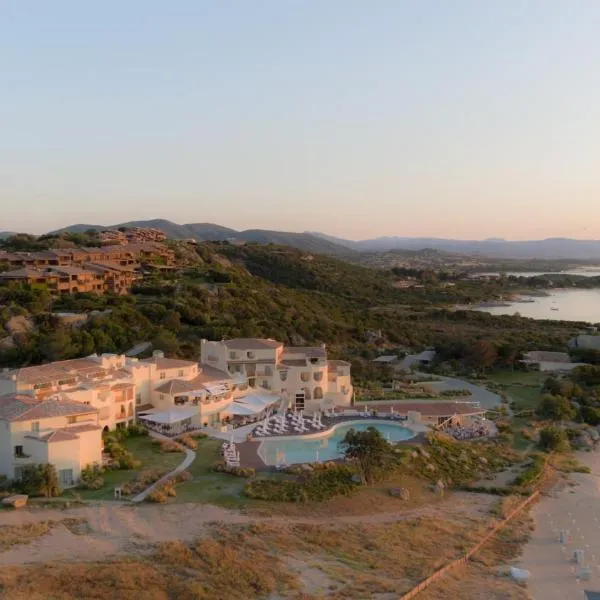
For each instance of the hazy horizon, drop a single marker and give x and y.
(464, 120)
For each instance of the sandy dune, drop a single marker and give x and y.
(113, 529)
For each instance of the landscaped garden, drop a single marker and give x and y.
(150, 457)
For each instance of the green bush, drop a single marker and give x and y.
(221, 467)
(136, 429)
(554, 439)
(314, 486)
(91, 477)
(532, 473)
(39, 480)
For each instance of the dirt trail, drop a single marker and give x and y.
(121, 528)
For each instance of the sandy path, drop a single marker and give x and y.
(554, 576)
(121, 528)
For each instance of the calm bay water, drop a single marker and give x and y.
(561, 305)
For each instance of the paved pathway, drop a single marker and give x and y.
(190, 457)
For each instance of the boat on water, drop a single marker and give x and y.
(553, 308)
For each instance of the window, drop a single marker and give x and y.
(180, 373)
(233, 355)
(35, 426)
(19, 451)
(318, 375)
(250, 354)
(307, 393)
(163, 375)
(299, 405)
(318, 393)
(283, 375)
(162, 396)
(268, 371)
(71, 420)
(65, 478)
(305, 376)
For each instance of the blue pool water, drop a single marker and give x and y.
(325, 448)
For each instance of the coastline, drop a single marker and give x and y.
(573, 505)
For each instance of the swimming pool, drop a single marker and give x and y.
(307, 450)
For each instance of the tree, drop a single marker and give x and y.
(483, 355)
(555, 408)
(40, 480)
(369, 451)
(554, 439)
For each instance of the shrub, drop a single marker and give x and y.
(169, 446)
(554, 439)
(313, 486)
(532, 473)
(91, 477)
(39, 480)
(188, 441)
(137, 429)
(158, 496)
(221, 467)
(143, 481)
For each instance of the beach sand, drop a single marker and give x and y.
(572, 506)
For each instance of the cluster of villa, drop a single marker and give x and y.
(131, 235)
(55, 413)
(108, 269)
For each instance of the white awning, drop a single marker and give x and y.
(171, 416)
(242, 410)
(258, 400)
(216, 390)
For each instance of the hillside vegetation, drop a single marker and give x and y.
(225, 290)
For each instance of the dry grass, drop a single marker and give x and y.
(11, 535)
(370, 500)
(293, 561)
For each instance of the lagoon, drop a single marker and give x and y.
(559, 305)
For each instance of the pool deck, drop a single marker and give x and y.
(248, 450)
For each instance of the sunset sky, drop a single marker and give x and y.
(463, 119)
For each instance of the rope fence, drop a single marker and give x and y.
(463, 560)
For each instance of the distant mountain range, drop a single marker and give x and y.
(551, 248)
(307, 242)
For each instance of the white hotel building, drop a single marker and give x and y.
(56, 412)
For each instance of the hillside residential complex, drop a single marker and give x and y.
(56, 412)
(109, 269)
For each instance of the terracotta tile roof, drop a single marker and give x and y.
(296, 362)
(65, 369)
(169, 363)
(61, 435)
(309, 351)
(209, 374)
(252, 344)
(26, 408)
(175, 386)
(83, 427)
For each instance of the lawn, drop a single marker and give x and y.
(143, 449)
(523, 387)
(207, 486)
